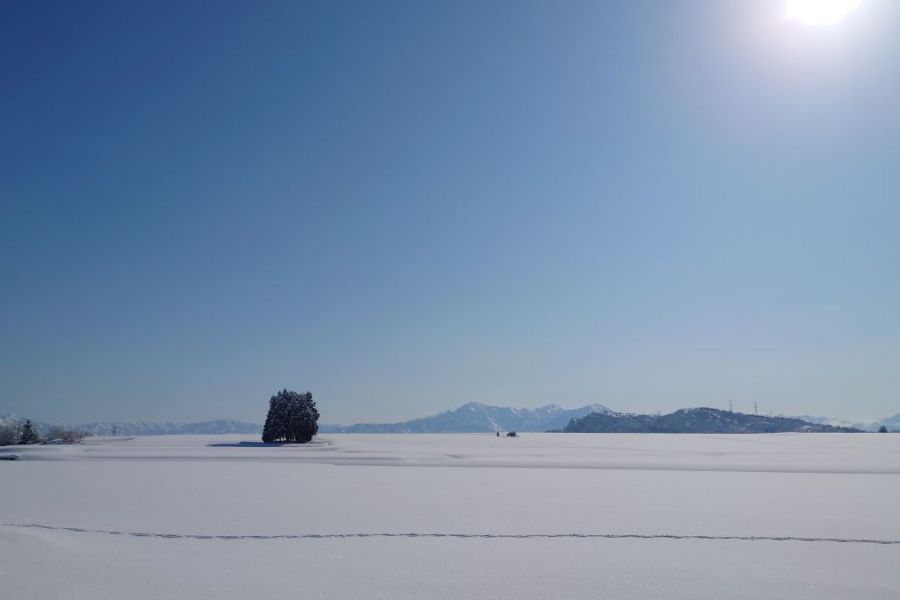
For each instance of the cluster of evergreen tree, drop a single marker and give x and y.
(29, 434)
(292, 418)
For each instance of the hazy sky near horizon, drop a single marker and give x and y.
(405, 206)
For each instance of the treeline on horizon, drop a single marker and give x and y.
(26, 433)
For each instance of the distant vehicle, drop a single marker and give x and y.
(512, 434)
(9, 456)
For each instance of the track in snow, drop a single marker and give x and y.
(501, 536)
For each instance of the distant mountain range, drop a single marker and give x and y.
(476, 417)
(696, 420)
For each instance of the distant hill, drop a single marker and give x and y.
(695, 420)
(476, 417)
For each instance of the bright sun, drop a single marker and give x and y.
(820, 12)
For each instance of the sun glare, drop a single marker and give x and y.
(820, 12)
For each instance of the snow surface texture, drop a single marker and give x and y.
(455, 516)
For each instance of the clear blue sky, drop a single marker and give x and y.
(404, 206)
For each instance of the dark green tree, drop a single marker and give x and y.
(29, 435)
(882, 429)
(292, 418)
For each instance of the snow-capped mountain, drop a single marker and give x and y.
(476, 417)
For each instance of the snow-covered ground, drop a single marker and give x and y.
(544, 515)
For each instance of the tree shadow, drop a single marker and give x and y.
(250, 444)
(246, 444)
